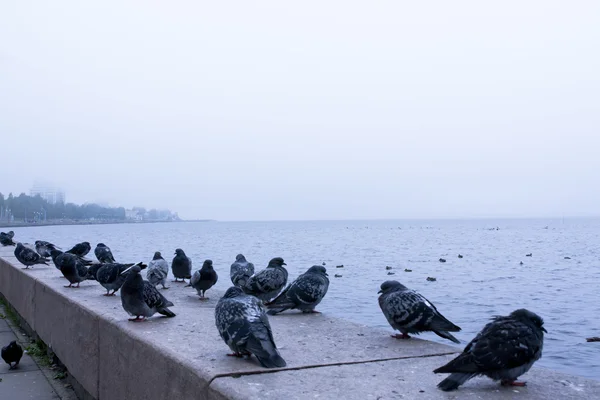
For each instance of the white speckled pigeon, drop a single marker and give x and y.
(181, 266)
(244, 326)
(141, 299)
(409, 312)
(268, 283)
(103, 254)
(80, 249)
(240, 271)
(28, 256)
(305, 293)
(204, 279)
(111, 276)
(505, 349)
(158, 270)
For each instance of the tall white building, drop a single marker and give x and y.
(51, 194)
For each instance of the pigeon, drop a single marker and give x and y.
(110, 276)
(44, 248)
(71, 266)
(181, 266)
(158, 269)
(240, 271)
(204, 279)
(268, 283)
(140, 298)
(103, 253)
(409, 312)
(6, 238)
(80, 249)
(305, 293)
(505, 349)
(28, 257)
(12, 354)
(244, 326)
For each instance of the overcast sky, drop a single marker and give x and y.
(238, 110)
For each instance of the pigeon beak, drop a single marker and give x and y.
(283, 264)
(544, 329)
(326, 274)
(381, 291)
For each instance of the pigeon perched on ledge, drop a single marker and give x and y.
(204, 279)
(103, 254)
(158, 270)
(6, 238)
(244, 326)
(80, 249)
(240, 271)
(44, 248)
(268, 283)
(409, 312)
(71, 266)
(505, 349)
(12, 354)
(111, 276)
(305, 293)
(141, 299)
(181, 266)
(28, 257)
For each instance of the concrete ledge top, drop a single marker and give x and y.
(326, 357)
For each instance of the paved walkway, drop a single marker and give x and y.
(27, 381)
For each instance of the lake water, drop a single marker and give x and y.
(488, 281)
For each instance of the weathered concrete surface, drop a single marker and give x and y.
(185, 358)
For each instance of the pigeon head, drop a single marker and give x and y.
(179, 252)
(208, 264)
(318, 269)
(529, 317)
(240, 257)
(87, 244)
(157, 255)
(232, 292)
(276, 262)
(391, 286)
(101, 245)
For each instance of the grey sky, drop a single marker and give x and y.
(306, 110)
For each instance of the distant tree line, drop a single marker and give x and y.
(35, 208)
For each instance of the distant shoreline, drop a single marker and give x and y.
(85, 222)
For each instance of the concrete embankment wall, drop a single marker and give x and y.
(184, 357)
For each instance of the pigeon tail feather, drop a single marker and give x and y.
(447, 335)
(166, 312)
(454, 381)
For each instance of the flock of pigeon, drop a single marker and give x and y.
(506, 348)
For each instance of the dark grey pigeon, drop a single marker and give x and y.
(268, 283)
(158, 269)
(141, 299)
(12, 354)
(28, 256)
(304, 294)
(71, 267)
(80, 249)
(103, 254)
(409, 312)
(111, 276)
(240, 271)
(505, 349)
(181, 266)
(244, 326)
(44, 248)
(204, 279)
(55, 252)
(6, 238)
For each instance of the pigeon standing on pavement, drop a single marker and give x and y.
(12, 354)
(505, 349)
(80, 249)
(71, 266)
(111, 276)
(181, 266)
(28, 256)
(204, 279)
(268, 283)
(103, 253)
(140, 298)
(44, 248)
(244, 326)
(240, 271)
(305, 293)
(409, 312)
(158, 269)
(6, 238)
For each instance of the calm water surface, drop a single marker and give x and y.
(486, 282)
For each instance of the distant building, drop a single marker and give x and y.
(51, 194)
(134, 215)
